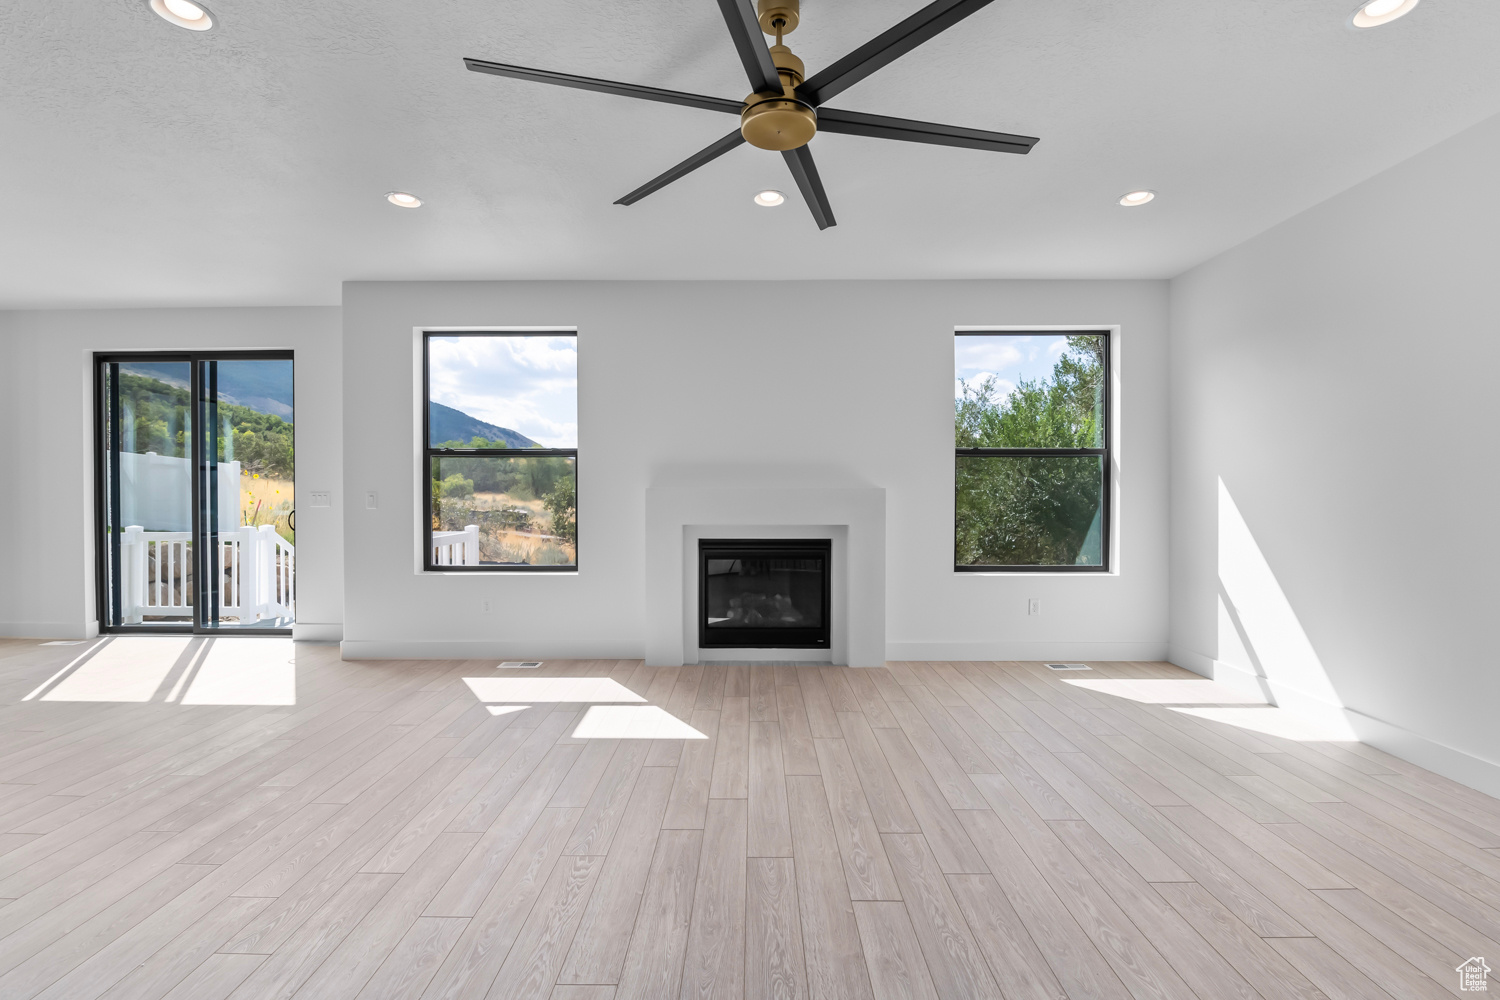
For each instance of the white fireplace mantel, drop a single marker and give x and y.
(854, 517)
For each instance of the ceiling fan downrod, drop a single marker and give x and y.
(779, 121)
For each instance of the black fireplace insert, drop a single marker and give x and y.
(764, 592)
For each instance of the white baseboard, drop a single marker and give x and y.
(49, 630)
(317, 631)
(1461, 766)
(631, 649)
(1187, 659)
(1019, 650)
(492, 649)
(1324, 713)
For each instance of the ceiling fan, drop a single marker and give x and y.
(786, 108)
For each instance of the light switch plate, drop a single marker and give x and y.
(372, 500)
(320, 498)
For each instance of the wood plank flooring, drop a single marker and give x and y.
(953, 830)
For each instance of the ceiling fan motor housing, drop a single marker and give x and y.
(780, 121)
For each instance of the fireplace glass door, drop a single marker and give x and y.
(764, 593)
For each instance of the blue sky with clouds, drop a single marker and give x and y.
(528, 384)
(1008, 357)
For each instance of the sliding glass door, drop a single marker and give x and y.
(194, 466)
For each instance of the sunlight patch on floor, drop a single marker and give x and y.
(201, 670)
(550, 689)
(1166, 691)
(124, 669)
(1270, 721)
(633, 722)
(506, 709)
(245, 672)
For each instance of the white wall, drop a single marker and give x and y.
(776, 384)
(46, 464)
(1338, 375)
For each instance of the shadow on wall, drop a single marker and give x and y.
(1260, 639)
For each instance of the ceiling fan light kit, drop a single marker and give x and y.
(785, 109)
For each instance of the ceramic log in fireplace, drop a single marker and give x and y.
(763, 593)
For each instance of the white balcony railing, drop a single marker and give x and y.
(456, 548)
(257, 574)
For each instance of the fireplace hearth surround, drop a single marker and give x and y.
(764, 593)
(688, 504)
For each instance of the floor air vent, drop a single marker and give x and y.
(520, 664)
(1069, 666)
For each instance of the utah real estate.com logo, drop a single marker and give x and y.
(1471, 975)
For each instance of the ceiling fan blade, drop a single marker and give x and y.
(906, 130)
(744, 28)
(605, 86)
(712, 152)
(805, 172)
(886, 47)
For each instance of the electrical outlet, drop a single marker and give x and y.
(486, 605)
(372, 500)
(1033, 605)
(320, 498)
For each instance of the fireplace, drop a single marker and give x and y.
(764, 593)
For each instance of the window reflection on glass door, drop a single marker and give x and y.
(150, 418)
(197, 516)
(246, 494)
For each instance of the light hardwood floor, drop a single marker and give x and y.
(926, 830)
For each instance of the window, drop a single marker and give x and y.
(501, 451)
(1031, 467)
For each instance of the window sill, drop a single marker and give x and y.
(486, 573)
(1030, 573)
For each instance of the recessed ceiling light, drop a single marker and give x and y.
(770, 199)
(1378, 12)
(184, 13)
(1136, 198)
(403, 200)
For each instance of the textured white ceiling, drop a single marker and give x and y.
(144, 164)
